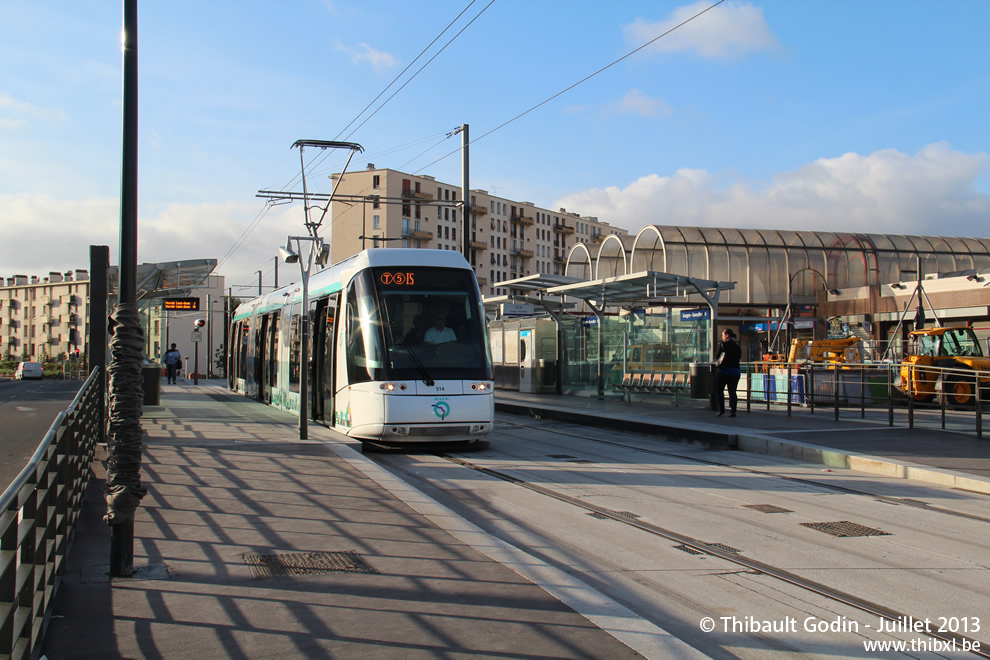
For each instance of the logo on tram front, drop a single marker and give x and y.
(397, 279)
(441, 409)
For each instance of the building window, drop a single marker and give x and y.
(376, 222)
(446, 232)
(376, 181)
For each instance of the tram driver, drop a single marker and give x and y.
(439, 333)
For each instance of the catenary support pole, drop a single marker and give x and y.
(124, 489)
(466, 192)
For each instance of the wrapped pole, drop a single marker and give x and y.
(124, 488)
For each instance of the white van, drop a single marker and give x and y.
(29, 370)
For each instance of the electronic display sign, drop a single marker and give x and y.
(183, 304)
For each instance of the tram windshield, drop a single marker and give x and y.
(416, 323)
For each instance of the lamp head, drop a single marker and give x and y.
(288, 255)
(323, 254)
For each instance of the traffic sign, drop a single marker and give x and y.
(196, 336)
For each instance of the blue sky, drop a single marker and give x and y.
(856, 116)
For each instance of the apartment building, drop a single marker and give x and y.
(46, 317)
(508, 238)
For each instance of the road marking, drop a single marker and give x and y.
(24, 409)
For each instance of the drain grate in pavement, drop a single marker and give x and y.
(628, 514)
(307, 563)
(600, 516)
(724, 548)
(767, 508)
(845, 528)
(905, 500)
(688, 549)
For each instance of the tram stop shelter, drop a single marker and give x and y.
(624, 311)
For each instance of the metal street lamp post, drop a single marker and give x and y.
(786, 318)
(319, 252)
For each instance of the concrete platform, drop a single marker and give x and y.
(230, 483)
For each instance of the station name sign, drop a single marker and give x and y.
(696, 314)
(184, 304)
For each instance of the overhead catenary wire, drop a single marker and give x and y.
(321, 157)
(567, 89)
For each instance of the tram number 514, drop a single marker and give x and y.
(439, 388)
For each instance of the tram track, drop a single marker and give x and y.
(898, 501)
(735, 557)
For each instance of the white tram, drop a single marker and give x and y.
(398, 348)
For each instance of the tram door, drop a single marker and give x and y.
(258, 368)
(322, 372)
(268, 356)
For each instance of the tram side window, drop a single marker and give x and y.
(295, 353)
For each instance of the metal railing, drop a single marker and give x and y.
(873, 388)
(38, 514)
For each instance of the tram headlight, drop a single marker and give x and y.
(391, 387)
(480, 387)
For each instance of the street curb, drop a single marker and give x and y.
(762, 444)
(882, 466)
(673, 433)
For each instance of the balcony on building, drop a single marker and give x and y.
(478, 209)
(417, 234)
(523, 220)
(597, 238)
(561, 228)
(479, 245)
(416, 194)
(482, 281)
(559, 260)
(522, 252)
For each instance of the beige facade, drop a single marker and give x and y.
(44, 317)
(508, 238)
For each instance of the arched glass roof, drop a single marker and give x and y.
(765, 263)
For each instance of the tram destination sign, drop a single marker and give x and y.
(184, 304)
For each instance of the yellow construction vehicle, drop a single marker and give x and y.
(936, 350)
(832, 351)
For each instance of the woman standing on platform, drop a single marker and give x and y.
(727, 359)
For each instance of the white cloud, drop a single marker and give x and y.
(17, 114)
(379, 60)
(730, 29)
(929, 193)
(176, 232)
(635, 102)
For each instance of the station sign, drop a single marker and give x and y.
(703, 314)
(513, 309)
(590, 322)
(183, 304)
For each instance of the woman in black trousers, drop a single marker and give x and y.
(727, 359)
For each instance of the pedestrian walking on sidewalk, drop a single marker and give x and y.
(728, 357)
(173, 361)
